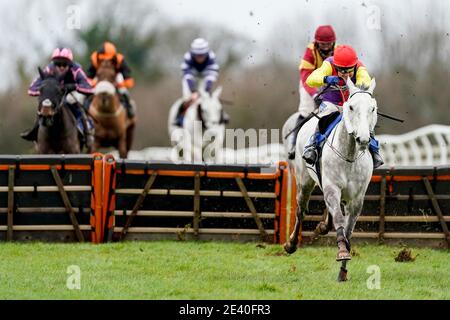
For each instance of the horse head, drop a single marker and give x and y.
(50, 98)
(211, 107)
(360, 113)
(107, 71)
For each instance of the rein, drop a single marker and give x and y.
(336, 151)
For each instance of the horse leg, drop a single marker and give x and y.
(332, 195)
(122, 147)
(352, 212)
(303, 194)
(130, 136)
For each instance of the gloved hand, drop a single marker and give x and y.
(69, 87)
(194, 96)
(124, 91)
(331, 80)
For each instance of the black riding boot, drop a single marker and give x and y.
(310, 153)
(128, 106)
(180, 115)
(375, 151)
(32, 134)
(291, 153)
(88, 133)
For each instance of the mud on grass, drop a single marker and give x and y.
(216, 270)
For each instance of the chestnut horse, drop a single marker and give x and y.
(112, 126)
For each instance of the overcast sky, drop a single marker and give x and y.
(30, 27)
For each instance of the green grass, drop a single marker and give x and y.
(214, 270)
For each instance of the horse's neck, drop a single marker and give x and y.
(64, 121)
(346, 144)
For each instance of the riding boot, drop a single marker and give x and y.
(180, 115)
(128, 106)
(291, 153)
(88, 133)
(32, 134)
(374, 149)
(310, 153)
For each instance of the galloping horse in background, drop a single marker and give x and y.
(112, 126)
(204, 116)
(346, 167)
(57, 133)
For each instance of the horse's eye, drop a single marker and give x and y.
(373, 109)
(351, 108)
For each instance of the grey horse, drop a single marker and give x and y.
(346, 168)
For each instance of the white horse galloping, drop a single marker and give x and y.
(203, 132)
(346, 167)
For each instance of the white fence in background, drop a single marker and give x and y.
(429, 145)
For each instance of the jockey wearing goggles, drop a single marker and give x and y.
(74, 81)
(317, 51)
(333, 73)
(108, 51)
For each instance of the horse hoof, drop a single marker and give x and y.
(342, 275)
(290, 249)
(321, 229)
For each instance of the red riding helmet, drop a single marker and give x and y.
(345, 56)
(325, 34)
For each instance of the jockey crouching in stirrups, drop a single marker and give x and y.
(124, 80)
(316, 52)
(75, 83)
(333, 72)
(200, 72)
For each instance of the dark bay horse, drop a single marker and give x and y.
(58, 133)
(112, 126)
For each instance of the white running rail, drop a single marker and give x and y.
(429, 145)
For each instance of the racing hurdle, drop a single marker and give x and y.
(50, 198)
(404, 205)
(97, 198)
(157, 200)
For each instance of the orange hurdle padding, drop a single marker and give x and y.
(96, 198)
(109, 197)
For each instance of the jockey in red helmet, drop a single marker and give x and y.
(317, 51)
(75, 82)
(334, 72)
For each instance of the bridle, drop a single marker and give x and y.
(336, 151)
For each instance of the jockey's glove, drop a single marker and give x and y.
(124, 91)
(331, 79)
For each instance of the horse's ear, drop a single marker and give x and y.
(351, 86)
(217, 92)
(373, 84)
(41, 73)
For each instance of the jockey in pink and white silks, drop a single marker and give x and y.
(75, 82)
